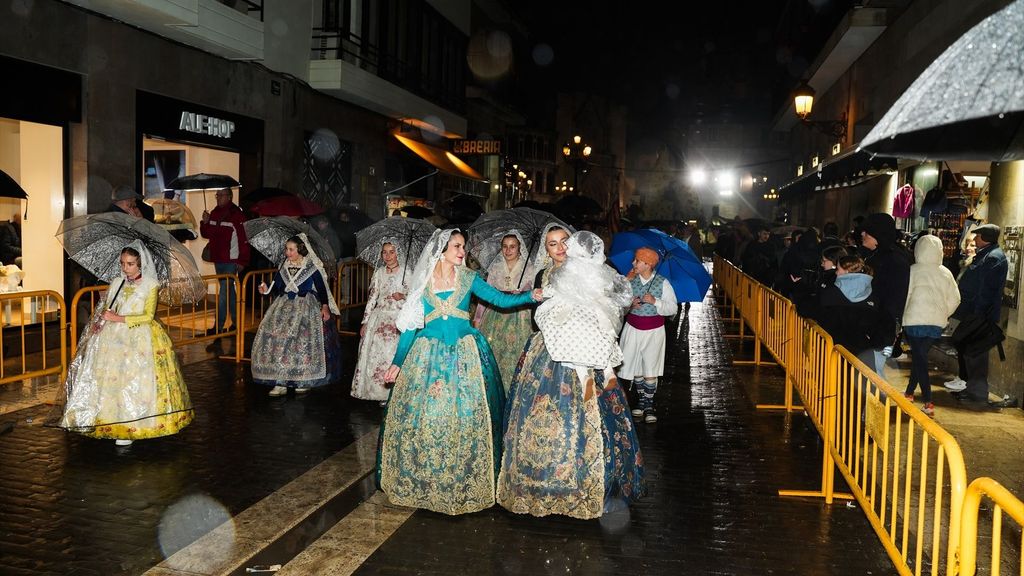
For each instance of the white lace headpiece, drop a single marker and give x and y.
(317, 264)
(410, 317)
(542, 260)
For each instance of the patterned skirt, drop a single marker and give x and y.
(294, 347)
(441, 440)
(126, 384)
(566, 453)
(507, 333)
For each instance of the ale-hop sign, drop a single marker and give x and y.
(476, 146)
(203, 124)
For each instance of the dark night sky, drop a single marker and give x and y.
(672, 61)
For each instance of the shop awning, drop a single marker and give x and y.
(441, 159)
(846, 169)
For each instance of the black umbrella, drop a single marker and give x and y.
(489, 229)
(408, 234)
(414, 211)
(968, 104)
(575, 207)
(357, 218)
(95, 241)
(262, 193)
(202, 182)
(464, 209)
(9, 188)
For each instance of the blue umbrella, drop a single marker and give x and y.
(678, 264)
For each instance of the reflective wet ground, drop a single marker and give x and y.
(72, 505)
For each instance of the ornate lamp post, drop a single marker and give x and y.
(803, 102)
(577, 153)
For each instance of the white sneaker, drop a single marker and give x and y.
(301, 390)
(650, 418)
(956, 385)
(637, 412)
(278, 391)
(122, 442)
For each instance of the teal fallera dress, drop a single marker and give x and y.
(440, 444)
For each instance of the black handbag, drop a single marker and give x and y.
(977, 334)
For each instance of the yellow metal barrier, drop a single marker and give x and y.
(905, 470)
(252, 304)
(28, 319)
(1003, 501)
(352, 288)
(184, 323)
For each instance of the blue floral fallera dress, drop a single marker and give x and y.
(440, 443)
(567, 453)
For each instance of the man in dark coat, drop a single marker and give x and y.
(759, 259)
(890, 263)
(981, 290)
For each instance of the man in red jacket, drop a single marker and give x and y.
(229, 250)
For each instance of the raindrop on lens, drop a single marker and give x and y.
(543, 54)
(22, 7)
(191, 518)
(279, 27)
(435, 134)
(323, 143)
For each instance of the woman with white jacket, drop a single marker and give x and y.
(931, 298)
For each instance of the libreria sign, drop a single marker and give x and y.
(202, 124)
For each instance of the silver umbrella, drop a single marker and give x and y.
(488, 230)
(407, 235)
(95, 241)
(968, 104)
(268, 236)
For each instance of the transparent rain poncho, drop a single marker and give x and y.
(582, 315)
(124, 381)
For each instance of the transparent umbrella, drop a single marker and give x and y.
(968, 104)
(268, 235)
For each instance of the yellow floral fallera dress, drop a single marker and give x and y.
(125, 382)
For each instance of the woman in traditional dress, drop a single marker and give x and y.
(570, 445)
(507, 330)
(441, 440)
(643, 336)
(125, 382)
(297, 344)
(378, 334)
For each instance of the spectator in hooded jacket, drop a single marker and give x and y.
(846, 310)
(981, 289)
(229, 250)
(891, 265)
(759, 258)
(932, 296)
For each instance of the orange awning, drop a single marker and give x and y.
(441, 159)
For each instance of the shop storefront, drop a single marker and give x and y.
(35, 120)
(177, 138)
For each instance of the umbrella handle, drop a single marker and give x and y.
(116, 294)
(533, 244)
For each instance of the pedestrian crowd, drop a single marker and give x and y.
(876, 288)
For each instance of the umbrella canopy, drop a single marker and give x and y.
(95, 241)
(262, 193)
(488, 230)
(9, 188)
(202, 182)
(678, 264)
(268, 236)
(356, 217)
(286, 206)
(409, 235)
(968, 104)
(576, 208)
(464, 209)
(414, 211)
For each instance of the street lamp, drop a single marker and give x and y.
(577, 152)
(803, 103)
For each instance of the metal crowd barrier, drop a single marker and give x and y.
(29, 318)
(1001, 501)
(352, 289)
(905, 470)
(184, 323)
(252, 306)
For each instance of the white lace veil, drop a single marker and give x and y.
(312, 257)
(522, 270)
(585, 280)
(542, 260)
(410, 317)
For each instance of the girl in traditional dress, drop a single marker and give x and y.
(570, 445)
(441, 440)
(378, 334)
(643, 336)
(125, 382)
(297, 344)
(507, 330)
